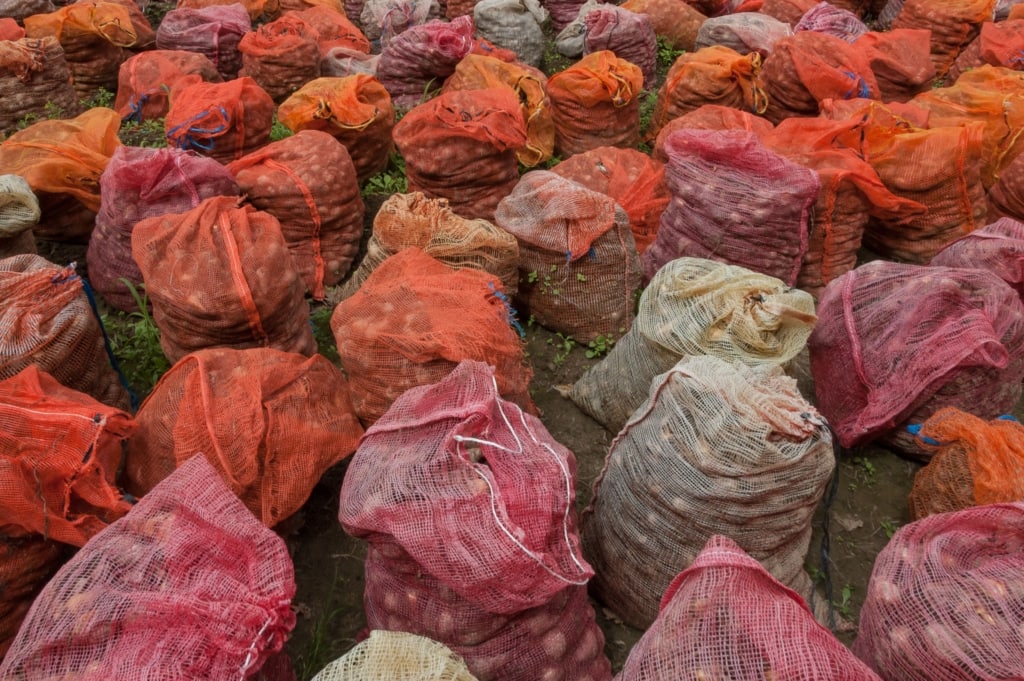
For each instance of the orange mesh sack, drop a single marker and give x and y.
(224, 121)
(973, 463)
(901, 61)
(145, 81)
(333, 29)
(413, 321)
(578, 265)
(46, 321)
(61, 451)
(998, 44)
(997, 248)
(34, 75)
(222, 275)
(26, 565)
(211, 31)
(270, 422)
(710, 117)
(744, 32)
(281, 56)
(695, 307)
(414, 221)
(421, 57)
(300, 5)
(1006, 197)
(355, 109)
(717, 448)
(953, 23)
(676, 21)
(461, 146)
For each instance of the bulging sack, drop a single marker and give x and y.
(281, 56)
(630, 35)
(997, 248)
(386, 654)
(144, 82)
(421, 57)
(34, 76)
(213, 31)
(514, 25)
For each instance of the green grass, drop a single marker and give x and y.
(391, 180)
(325, 343)
(135, 340)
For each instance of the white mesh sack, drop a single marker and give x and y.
(19, 207)
(397, 656)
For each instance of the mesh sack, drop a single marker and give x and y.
(26, 565)
(19, 207)
(356, 110)
(212, 31)
(1004, 8)
(34, 76)
(461, 146)
(954, 24)
(997, 248)
(384, 19)
(725, 616)
(145, 81)
(730, 191)
(835, 21)
(900, 60)
(578, 265)
(996, 45)
(137, 184)
(11, 29)
(888, 13)
(453, 9)
(743, 33)
(413, 320)
(595, 103)
(710, 117)
(1006, 197)
(422, 57)
(634, 180)
(224, 121)
(787, 11)
(414, 221)
(866, 9)
(479, 72)
(695, 307)
(256, 9)
(563, 12)
(944, 598)
(281, 56)
(339, 62)
(188, 583)
(222, 275)
(628, 35)
(391, 655)
(894, 343)
(61, 451)
(20, 9)
(514, 25)
(569, 41)
(307, 181)
(46, 321)
(333, 28)
(675, 21)
(269, 422)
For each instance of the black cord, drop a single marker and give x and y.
(826, 560)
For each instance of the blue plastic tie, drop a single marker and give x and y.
(189, 141)
(860, 88)
(915, 430)
(1008, 417)
(511, 311)
(135, 109)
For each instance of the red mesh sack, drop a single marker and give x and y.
(954, 24)
(944, 597)
(997, 248)
(634, 180)
(224, 121)
(862, 8)
(421, 57)
(788, 11)
(998, 44)
(188, 583)
(627, 34)
(222, 275)
(563, 12)
(61, 451)
(665, 489)
(46, 321)
(413, 320)
(673, 20)
(578, 265)
(594, 103)
(145, 81)
(355, 109)
(382, 20)
(895, 343)
(33, 77)
(730, 191)
(254, 8)
(213, 31)
(710, 117)
(835, 21)
(26, 565)
(725, 616)
(307, 181)
(281, 56)
(300, 5)
(901, 61)
(270, 422)
(455, 9)
(141, 183)
(744, 33)
(461, 146)
(1006, 197)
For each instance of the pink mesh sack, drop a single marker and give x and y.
(422, 57)
(725, 616)
(835, 21)
(997, 248)
(213, 31)
(188, 585)
(944, 598)
(629, 35)
(895, 343)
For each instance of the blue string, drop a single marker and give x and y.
(511, 311)
(135, 109)
(188, 141)
(1009, 417)
(915, 430)
(860, 88)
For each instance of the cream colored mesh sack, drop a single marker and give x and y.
(19, 212)
(397, 656)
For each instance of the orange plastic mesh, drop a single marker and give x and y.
(299, 5)
(26, 564)
(224, 121)
(998, 44)
(10, 30)
(710, 117)
(222, 275)
(788, 11)
(1006, 198)
(674, 20)
(953, 23)
(413, 321)
(356, 109)
(1016, 12)
(145, 81)
(60, 452)
(333, 28)
(255, 8)
(901, 61)
(281, 56)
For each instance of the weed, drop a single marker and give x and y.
(391, 180)
(647, 105)
(564, 345)
(156, 9)
(599, 346)
(888, 526)
(530, 322)
(845, 602)
(868, 468)
(148, 133)
(667, 54)
(325, 343)
(136, 343)
(532, 277)
(101, 98)
(323, 644)
(278, 131)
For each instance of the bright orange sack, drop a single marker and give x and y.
(34, 78)
(333, 29)
(281, 56)
(953, 23)
(901, 61)
(998, 44)
(674, 20)
(145, 81)
(26, 565)
(224, 121)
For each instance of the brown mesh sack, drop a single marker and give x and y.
(21, 244)
(627, 34)
(895, 343)
(998, 44)
(255, 8)
(61, 451)
(479, 72)
(395, 654)
(224, 121)
(413, 320)
(710, 117)
(745, 32)
(414, 221)
(418, 60)
(997, 248)
(222, 275)
(15, 11)
(1006, 197)
(901, 61)
(33, 77)
(213, 31)
(695, 307)
(788, 11)
(676, 21)
(145, 81)
(953, 23)
(26, 565)
(578, 265)
(269, 422)
(355, 109)
(300, 5)
(595, 103)
(717, 448)
(307, 181)
(461, 146)
(281, 56)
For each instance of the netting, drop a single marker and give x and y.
(901, 61)
(145, 81)
(214, 31)
(997, 248)
(998, 44)
(17, 245)
(397, 656)
(953, 24)
(222, 275)
(675, 21)
(420, 58)
(26, 565)
(569, 40)
(19, 9)
(281, 56)
(254, 8)
(19, 207)
(788, 11)
(339, 62)
(1006, 197)
(717, 448)
(382, 20)
(224, 121)
(695, 307)
(308, 182)
(835, 21)
(944, 598)
(710, 117)
(189, 585)
(627, 34)
(514, 25)
(744, 33)
(333, 29)
(33, 76)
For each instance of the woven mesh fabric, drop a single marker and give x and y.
(578, 265)
(710, 117)
(46, 321)
(629, 35)
(1003, 10)
(894, 343)
(725, 617)
(17, 10)
(26, 565)
(384, 19)
(224, 121)
(188, 585)
(422, 56)
(997, 44)
(901, 61)
(788, 11)
(61, 451)
(144, 81)
(695, 307)
(675, 21)
(222, 275)
(944, 597)
(744, 33)
(19, 207)
(836, 21)
(862, 8)
(213, 31)
(332, 27)
(254, 8)
(569, 41)
(562, 12)
(281, 56)
(397, 656)
(33, 74)
(339, 62)
(717, 448)
(954, 24)
(998, 248)
(1006, 197)
(141, 183)
(513, 25)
